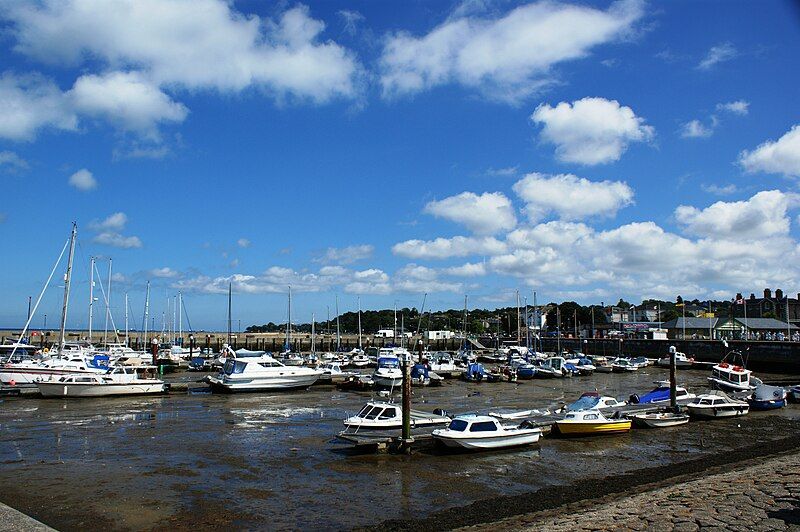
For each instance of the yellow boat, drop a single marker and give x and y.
(589, 422)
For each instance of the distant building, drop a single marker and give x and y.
(680, 328)
(769, 306)
(615, 314)
(439, 335)
(756, 329)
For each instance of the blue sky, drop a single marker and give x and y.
(585, 150)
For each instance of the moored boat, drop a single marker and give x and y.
(122, 380)
(591, 422)
(681, 361)
(475, 432)
(767, 397)
(730, 376)
(262, 373)
(379, 415)
(661, 394)
(716, 404)
(660, 419)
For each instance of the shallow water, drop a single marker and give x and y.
(260, 460)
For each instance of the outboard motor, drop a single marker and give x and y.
(634, 399)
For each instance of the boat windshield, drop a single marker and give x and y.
(584, 403)
(483, 426)
(388, 362)
(458, 425)
(234, 366)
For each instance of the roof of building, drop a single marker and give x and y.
(765, 324)
(691, 323)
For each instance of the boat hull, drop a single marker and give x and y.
(592, 429)
(771, 404)
(718, 411)
(661, 422)
(728, 386)
(33, 375)
(262, 384)
(491, 442)
(58, 389)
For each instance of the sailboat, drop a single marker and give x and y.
(62, 360)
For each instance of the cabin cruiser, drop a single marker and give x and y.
(555, 367)
(728, 377)
(21, 351)
(227, 353)
(262, 373)
(443, 362)
(661, 394)
(591, 422)
(32, 371)
(475, 432)
(767, 397)
(717, 404)
(583, 365)
(388, 374)
(681, 361)
(360, 360)
(333, 372)
(379, 415)
(119, 380)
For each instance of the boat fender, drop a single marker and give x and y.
(634, 399)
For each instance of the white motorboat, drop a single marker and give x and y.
(360, 360)
(293, 359)
(332, 372)
(476, 432)
(640, 362)
(117, 381)
(379, 415)
(717, 404)
(623, 365)
(388, 374)
(32, 371)
(661, 419)
(681, 361)
(262, 373)
(443, 363)
(729, 377)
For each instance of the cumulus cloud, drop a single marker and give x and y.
(717, 54)
(83, 180)
(590, 131)
(483, 214)
(695, 129)
(442, 248)
(739, 107)
(720, 190)
(164, 273)
(30, 103)
(571, 197)
(761, 216)
(469, 269)
(507, 58)
(197, 44)
(347, 255)
(11, 162)
(780, 156)
(243, 243)
(126, 99)
(109, 232)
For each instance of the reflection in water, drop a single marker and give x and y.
(272, 455)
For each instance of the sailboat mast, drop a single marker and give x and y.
(519, 330)
(289, 324)
(108, 304)
(465, 322)
(536, 317)
(359, 323)
(67, 278)
(146, 314)
(91, 296)
(229, 312)
(313, 335)
(180, 318)
(338, 328)
(126, 319)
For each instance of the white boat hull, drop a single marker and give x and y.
(59, 389)
(711, 412)
(661, 422)
(263, 384)
(33, 375)
(729, 386)
(490, 442)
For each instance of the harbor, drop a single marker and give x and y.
(185, 460)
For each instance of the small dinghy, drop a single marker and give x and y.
(660, 419)
(767, 397)
(660, 394)
(480, 433)
(717, 404)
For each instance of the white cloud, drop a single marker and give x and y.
(591, 130)
(506, 58)
(243, 243)
(30, 103)
(198, 44)
(126, 99)
(571, 197)
(781, 156)
(695, 129)
(503, 172)
(347, 255)
(761, 216)
(720, 190)
(351, 20)
(469, 269)
(114, 222)
(442, 248)
(117, 240)
(486, 214)
(164, 273)
(83, 180)
(10, 161)
(555, 234)
(739, 107)
(717, 54)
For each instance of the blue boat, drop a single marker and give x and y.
(767, 398)
(477, 373)
(660, 394)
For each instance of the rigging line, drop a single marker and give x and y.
(110, 314)
(39, 299)
(186, 314)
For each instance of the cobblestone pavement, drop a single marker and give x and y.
(758, 497)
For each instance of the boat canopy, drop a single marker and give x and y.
(765, 392)
(587, 401)
(389, 362)
(419, 371)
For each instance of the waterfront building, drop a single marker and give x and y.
(769, 306)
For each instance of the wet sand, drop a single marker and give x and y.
(269, 460)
